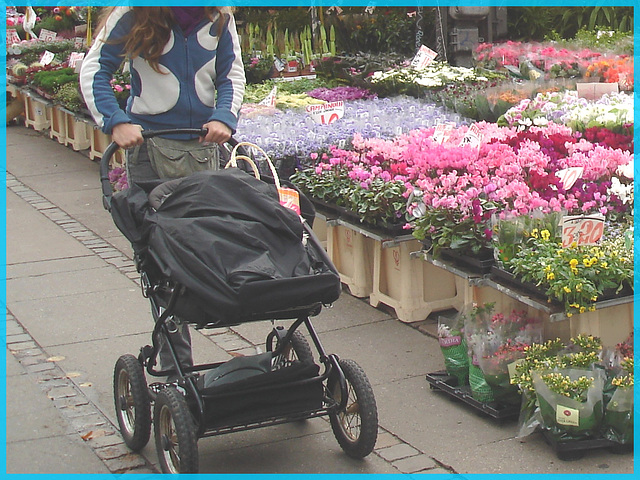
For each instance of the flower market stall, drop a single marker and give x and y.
(503, 192)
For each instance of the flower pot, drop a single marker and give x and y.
(37, 113)
(618, 417)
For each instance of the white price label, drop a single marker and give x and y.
(47, 35)
(326, 113)
(74, 58)
(270, 100)
(47, 57)
(442, 133)
(423, 58)
(569, 176)
(583, 230)
(472, 138)
(278, 64)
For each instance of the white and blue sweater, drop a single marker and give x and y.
(203, 77)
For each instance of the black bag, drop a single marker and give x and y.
(241, 391)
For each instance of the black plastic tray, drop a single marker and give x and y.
(449, 384)
(576, 449)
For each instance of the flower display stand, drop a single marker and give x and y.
(351, 251)
(413, 288)
(15, 102)
(78, 132)
(58, 126)
(320, 229)
(37, 112)
(612, 320)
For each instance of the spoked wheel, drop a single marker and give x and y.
(355, 427)
(133, 407)
(298, 349)
(175, 433)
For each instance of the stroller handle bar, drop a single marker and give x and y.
(113, 147)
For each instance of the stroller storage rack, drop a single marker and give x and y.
(282, 385)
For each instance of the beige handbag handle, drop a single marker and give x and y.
(234, 156)
(233, 162)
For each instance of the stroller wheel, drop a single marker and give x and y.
(175, 433)
(298, 349)
(356, 426)
(133, 407)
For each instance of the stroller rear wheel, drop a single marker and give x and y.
(133, 407)
(175, 433)
(356, 426)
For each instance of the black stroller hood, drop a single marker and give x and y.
(224, 236)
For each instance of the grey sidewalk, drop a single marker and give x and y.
(74, 306)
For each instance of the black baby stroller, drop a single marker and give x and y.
(218, 249)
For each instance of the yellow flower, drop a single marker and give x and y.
(604, 264)
(592, 308)
(534, 233)
(569, 315)
(579, 287)
(575, 305)
(551, 276)
(582, 309)
(573, 263)
(545, 234)
(586, 262)
(567, 290)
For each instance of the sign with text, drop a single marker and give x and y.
(472, 138)
(47, 57)
(568, 176)
(593, 91)
(270, 100)
(582, 230)
(326, 113)
(442, 132)
(74, 58)
(47, 35)
(12, 36)
(423, 58)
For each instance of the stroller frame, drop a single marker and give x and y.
(181, 411)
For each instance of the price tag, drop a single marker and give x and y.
(47, 35)
(270, 100)
(569, 176)
(12, 36)
(327, 113)
(423, 58)
(567, 416)
(47, 57)
(472, 138)
(583, 230)
(79, 43)
(74, 58)
(442, 133)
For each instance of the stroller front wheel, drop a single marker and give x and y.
(175, 433)
(356, 426)
(133, 406)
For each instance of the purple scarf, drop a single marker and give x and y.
(188, 17)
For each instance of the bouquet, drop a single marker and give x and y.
(454, 348)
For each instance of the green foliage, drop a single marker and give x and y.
(68, 95)
(535, 23)
(51, 80)
(32, 53)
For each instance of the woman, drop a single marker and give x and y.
(186, 72)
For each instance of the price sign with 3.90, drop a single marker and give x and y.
(583, 230)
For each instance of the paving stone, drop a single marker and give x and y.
(415, 464)
(106, 440)
(17, 338)
(40, 367)
(88, 422)
(125, 462)
(397, 452)
(70, 401)
(113, 451)
(23, 346)
(62, 392)
(385, 439)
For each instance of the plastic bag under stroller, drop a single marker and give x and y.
(225, 238)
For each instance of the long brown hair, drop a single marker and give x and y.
(151, 30)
